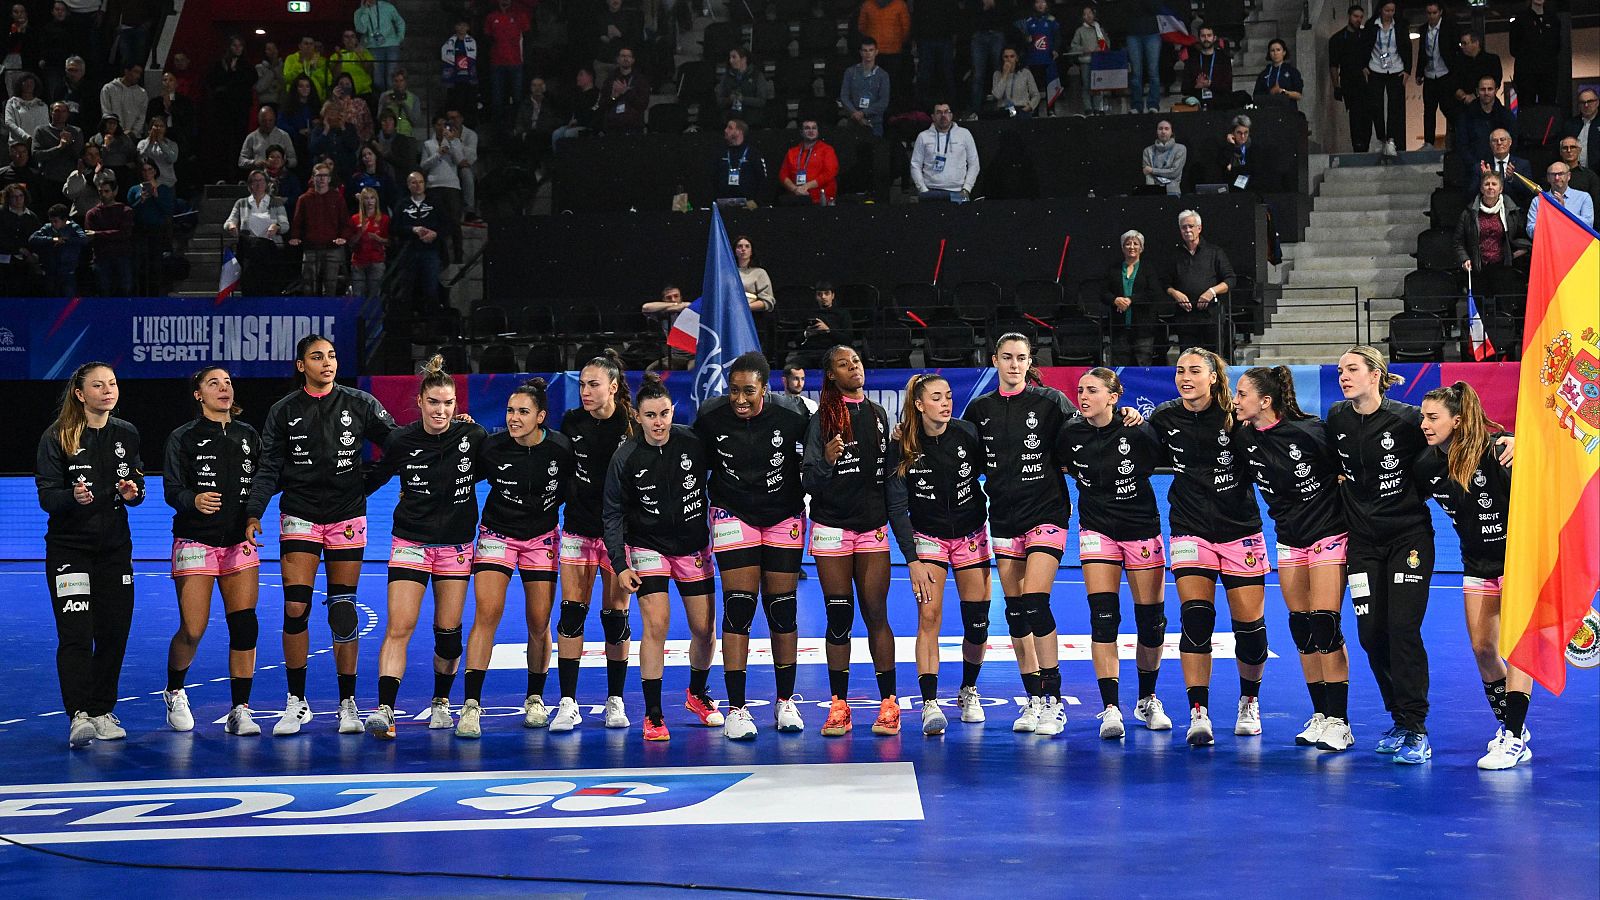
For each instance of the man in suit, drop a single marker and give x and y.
(1503, 163)
(1437, 53)
(1585, 126)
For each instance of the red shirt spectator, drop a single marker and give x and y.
(888, 22)
(819, 163)
(505, 28)
(319, 219)
(367, 252)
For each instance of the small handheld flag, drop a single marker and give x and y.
(1173, 31)
(228, 281)
(1482, 347)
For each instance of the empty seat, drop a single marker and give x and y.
(1416, 337)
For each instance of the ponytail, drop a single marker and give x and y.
(535, 389)
(1373, 357)
(434, 375)
(1470, 439)
(1277, 384)
(911, 419)
(1109, 379)
(653, 388)
(1221, 393)
(830, 403)
(71, 419)
(611, 362)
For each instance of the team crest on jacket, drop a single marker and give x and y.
(1413, 560)
(119, 451)
(1032, 421)
(961, 453)
(1122, 446)
(122, 470)
(1294, 452)
(776, 460)
(965, 470)
(777, 438)
(465, 465)
(684, 463)
(344, 418)
(347, 439)
(464, 446)
(1573, 371)
(1387, 442)
(1225, 458)
(1031, 442)
(1478, 480)
(1222, 439)
(1126, 467)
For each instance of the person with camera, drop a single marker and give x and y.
(828, 326)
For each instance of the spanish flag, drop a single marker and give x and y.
(1553, 536)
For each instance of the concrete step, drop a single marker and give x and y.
(1332, 311)
(1359, 187)
(1326, 260)
(1341, 218)
(1368, 202)
(1318, 333)
(1401, 245)
(1364, 233)
(1302, 278)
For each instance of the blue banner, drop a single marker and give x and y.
(166, 337)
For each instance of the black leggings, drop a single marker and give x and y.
(1389, 591)
(91, 593)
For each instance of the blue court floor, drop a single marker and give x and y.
(976, 812)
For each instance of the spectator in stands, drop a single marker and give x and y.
(1491, 231)
(739, 172)
(1474, 62)
(664, 311)
(308, 62)
(616, 28)
(1438, 55)
(1502, 162)
(794, 386)
(1043, 35)
(757, 283)
(1012, 91)
(1388, 50)
(258, 223)
(58, 245)
(177, 112)
(536, 121)
(318, 230)
(19, 48)
(400, 151)
(442, 156)
(253, 152)
(1164, 161)
(1583, 178)
(334, 140)
(414, 236)
(627, 97)
(282, 182)
(1473, 127)
(810, 170)
(458, 67)
(188, 79)
(1347, 66)
(743, 92)
(117, 150)
(1144, 56)
(1089, 39)
(57, 146)
(152, 204)
(22, 171)
(990, 20)
(373, 174)
(356, 112)
(26, 111)
(84, 19)
(1132, 295)
(353, 60)
(1585, 126)
(296, 117)
(368, 233)
(1243, 166)
(828, 327)
(888, 22)
(382, 31)
(269, 75)
(505, 28)
(1208, 75)
(17, 225)
(934, 29)
(944, 162)
(466, 167)
(1199, 275)
(1579, 203)
(109, 224)
(1536, 46)
(82, 97)
(586, 113)
(133, 33)
(1280, 83)
(54, 44)
(227, 109)
(81, 181)
(127, 99)
(161, 150)
(864, 90)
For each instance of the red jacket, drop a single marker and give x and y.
(318, 218)
(367, 250)
(821, 165)
(505, 31)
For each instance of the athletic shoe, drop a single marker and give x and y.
(1391, 740)
(469, 726)
(381, 723)
(439, 717)
(1505, 753)
(350, 717)
(1052, 717)
(1029, 720)
(739, 726)
(704, 707)
(1313, 730)
(617, 714)
(888, 720)
(296, 712)
(655, 729)
(1526, 737)
(971, 709)
(1414, 750)
(1336, 736)
(1111, 727)
(1154, 716)
(241, 723)
(1200, 728)
(179, 718)
(838, 722)
(568, 716)
(107, 727)
(1249, 721)
(933, 720)
(81, 731)
(534, 713)
(1389, 150)
(788, 717)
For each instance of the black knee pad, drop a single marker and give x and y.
(1017, 616)
(781, 613)
(1104, 618)
(570, 623)
(975, 622)
(1151, 620)
(841, 610)
(447, 643)
(1327, 632)
(738, 612)
(1250, 641)
(243, 630)
(343, 619)
(615, 624)
(1040, 618)
(1300, 630)
(296, 595)
(1198, 620)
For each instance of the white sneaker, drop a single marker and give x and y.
(1154, 716)
(297, 712)
(1028, 722)
(788, 716)
(350, 717)
(179, 717)
(534, 713)
(971, 708)
(1313, 730)
(1111, 727)
(1506, 753)
(439, 717)
(738, 726)
(1249, 721)
(1389, 150)
(469, 726)
(616, 713)
(568, 716)
(1336, 736)
(1200, 728)
(381, 723)
(107, 727)
(241, 723)
(1052, 717)
(1526, 737)
(933, 719)
(81, 731)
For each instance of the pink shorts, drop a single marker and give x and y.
(692, 567)
(729, 532)
(497, 551)
(1330, 551)
(955, 553)
(1049, 538)
(1245, 557)
(195, 558)
(347, 535)
(577, 550)
(827, 540)
(1142, 554)
(1474, 585)
(438, 560)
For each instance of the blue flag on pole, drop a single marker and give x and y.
(720, 321)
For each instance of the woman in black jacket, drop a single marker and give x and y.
(1492, 230)
(1131, 294)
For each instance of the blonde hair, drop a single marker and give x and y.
(911, 419)
(1373, 357)
(71, 419)
(362, 196)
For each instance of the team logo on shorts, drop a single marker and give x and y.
(344, 418)
(1387, 442)
(1413, 560)
(1032, 421)
(1250, 558)
(1294, 452)
(794, 532)
(461, 558)
(684, 463)
(972, 545)
(878, 535)
(777, 438)
(1144, 552)
(349, 532)
(699, 560)
(246, 548)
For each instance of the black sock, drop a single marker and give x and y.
(1249, 687)
(886, 685)
(929, 686)
(785, 678)
(616, 676)
(735, 680)
(475, 684)
(1516, 711)
(1030, 683)
(442, 683)
(388, 690)
(969, 673)
(567, 675)
(1147, 682)
(347, 687)
(1338, 700)
(1050, 682)
(839, 682)
(1108, 691)
(297, 681)
(536, 682)
(697, 681)
(652, 697)
(1496, 692)
(1319, 696)
(240, 688)
(175, 679)
(1199, 696)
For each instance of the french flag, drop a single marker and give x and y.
(1173, 31)
(1482, 347)
(228, 281)
(685, 333)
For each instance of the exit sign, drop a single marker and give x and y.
(299, 6)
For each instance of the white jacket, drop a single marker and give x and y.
(959, 169)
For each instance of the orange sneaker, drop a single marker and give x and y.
(655, 729)
(838, 724)
(888, 721)
(704, 707)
